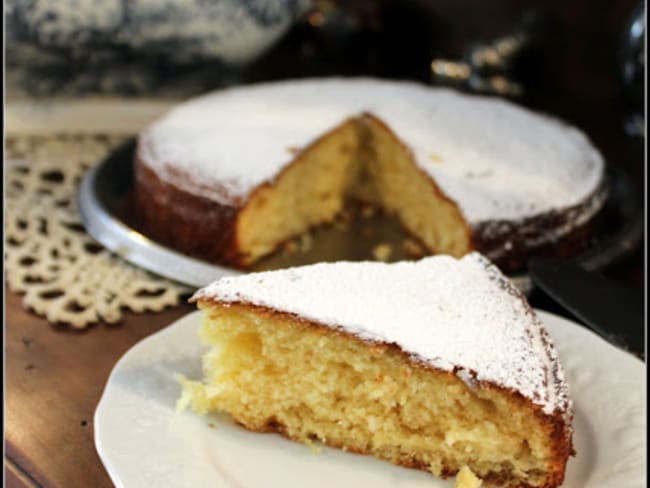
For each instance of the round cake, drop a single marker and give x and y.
(231, 175)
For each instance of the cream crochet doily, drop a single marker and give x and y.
(64, 274)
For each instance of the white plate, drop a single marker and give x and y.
(144, 443)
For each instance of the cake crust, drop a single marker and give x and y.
(191, 224)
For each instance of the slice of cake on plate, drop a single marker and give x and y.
(435, 364)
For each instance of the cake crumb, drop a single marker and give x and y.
(467, 479)
(186, 395)
(305, 242)
(293, 150)
(412, 249)
(211, 425)
(367, 211)
(314, 448)
(382, 252)
(435, 467)
(435, 158)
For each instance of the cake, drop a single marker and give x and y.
(231, 175)
(466, 479)
(433, 364)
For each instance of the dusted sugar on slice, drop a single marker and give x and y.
(435, 364)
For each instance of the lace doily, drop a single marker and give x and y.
(64, 274)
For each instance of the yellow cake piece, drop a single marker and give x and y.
(466, 479)
(435, 364)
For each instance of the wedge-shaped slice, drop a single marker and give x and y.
(434, 364)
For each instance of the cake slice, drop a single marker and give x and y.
(435, 364)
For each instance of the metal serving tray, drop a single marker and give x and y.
(107, 213)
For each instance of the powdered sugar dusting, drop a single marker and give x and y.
(496, 160)
(458, 315)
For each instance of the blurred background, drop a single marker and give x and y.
(583, 61)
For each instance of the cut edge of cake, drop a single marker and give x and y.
(360, 159)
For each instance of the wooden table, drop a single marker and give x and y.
(54, 379)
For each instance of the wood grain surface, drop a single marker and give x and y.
(53, 381)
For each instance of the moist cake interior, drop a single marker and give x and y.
(359, 160)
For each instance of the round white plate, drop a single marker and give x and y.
(143, 442)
